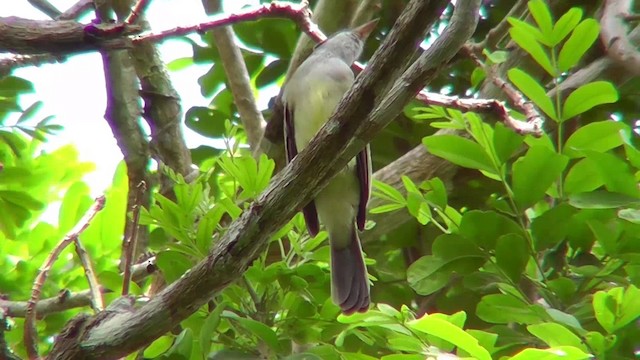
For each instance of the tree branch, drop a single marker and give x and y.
(534, 120)
(238, 78)
(46, 7)
(64, 301)
(30, 334)
(97, 303)
(67, 300)
(294, 186)
(162, 111)
(136, 11)
(615, 38)
(26, 36)
(130, 243)
(299, 13)
(7, 65)
(123, 116)
(495, 107)
(76, 10)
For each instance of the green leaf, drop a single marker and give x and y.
(485, 227)
(173, 264)
(598, 136)
(30, 112)
(271, 73)
(386, 208)
(601, 199)
(402, 356)
(452, 247)
(587, 97)
(429, 274)
(75, 203)
(388, 192)
(183, 345)
(37, 134)
(556, 335)
(555, 353)
(633, 155)
(534, 173)
(22, 199)
(583, 176)
(629, 307)
(12, 86)
(512, 255)
(496, 57)
(565, 25)
(460, 151)
(504, 309)
(615, 173)
(607, 234)
(533, 90)
(258, 329)
(617, 307)
(505, 142)
(206, 228)
(581, 39)
(604, 307)
(205, 121)
(551, 227)
(180, 63)
(443, 329)
(527, 41)
(210, 326)
(158, 347)
(436, 192)
(418, 207)
(526, 27)
(542, 15)
(631, 215)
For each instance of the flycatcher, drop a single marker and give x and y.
(310, 97)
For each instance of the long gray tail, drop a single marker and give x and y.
(349, 280)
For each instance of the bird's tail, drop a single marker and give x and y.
(349, 280)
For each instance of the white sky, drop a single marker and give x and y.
(74, 91)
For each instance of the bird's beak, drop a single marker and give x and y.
(363, 31)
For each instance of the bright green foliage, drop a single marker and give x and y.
(555, 255)
(31, 180)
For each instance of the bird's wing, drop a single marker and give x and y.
(309, 211)
(363, 171)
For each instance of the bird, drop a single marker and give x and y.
(310, 97)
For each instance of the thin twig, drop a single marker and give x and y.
(136, 11)
(66, 300)
(97, 303)
(76, 10)
(30, 332)
(480, 106)
(239, 80)
(46, 7)
(299, 13)
(534, 120)
(498, 32)
(132, 241)
(8, 64)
